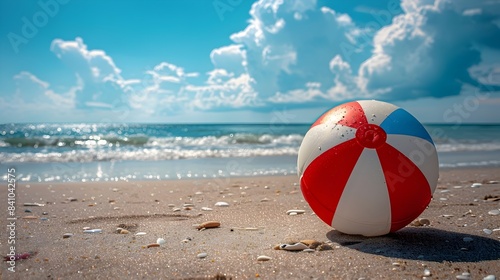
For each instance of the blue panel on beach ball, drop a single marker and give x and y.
(402, 122)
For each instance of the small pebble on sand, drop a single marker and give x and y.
(30, 217)
(476, 185)
(33, 204)
(67, 235)
(222, 204)
(494, 212)
(487, 231)
(202, 255)
(464, 276)
(263, 258)
(140, 233)
(96, 230)
(161, 241)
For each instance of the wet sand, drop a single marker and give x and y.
(454, 243)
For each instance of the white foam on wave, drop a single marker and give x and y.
(145, 154)
(219, 141)
(464, 147)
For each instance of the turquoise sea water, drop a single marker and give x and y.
(109, 152)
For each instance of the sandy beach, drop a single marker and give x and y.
(463, 235)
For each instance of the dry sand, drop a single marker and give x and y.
(259, 203)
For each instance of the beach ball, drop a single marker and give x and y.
(367, 167)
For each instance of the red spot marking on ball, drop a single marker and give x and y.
(371, 136)
(349, 114)
(409, 191)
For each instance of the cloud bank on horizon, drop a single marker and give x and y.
(295, 54)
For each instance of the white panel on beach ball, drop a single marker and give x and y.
(367, 167)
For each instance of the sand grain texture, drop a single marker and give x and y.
(253, 223)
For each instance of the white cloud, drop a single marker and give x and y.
(421, 53)
(32, 90)
(294, 52)
(289, 44)
(230, 92)
(232, 58)
(472, 12)
(27, 76)
(310, 93)
(101, 78)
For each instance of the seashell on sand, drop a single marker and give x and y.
(209, 224)
(294, 247)
(263, 258)
(424, 222)
(324, 247)
(311, 243)
(296, 211)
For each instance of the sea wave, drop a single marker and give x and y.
(91, 141)
(143, 140)
(467, 147)
(146, 154)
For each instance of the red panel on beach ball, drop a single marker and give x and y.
(367, 167)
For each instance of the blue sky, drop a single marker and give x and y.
(244, 61)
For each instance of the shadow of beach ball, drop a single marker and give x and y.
(367, 167)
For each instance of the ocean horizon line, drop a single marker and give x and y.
(238, 123)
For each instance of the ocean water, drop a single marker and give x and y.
(112, 152)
